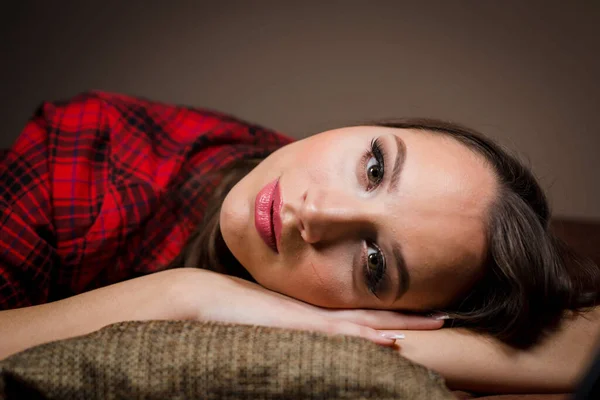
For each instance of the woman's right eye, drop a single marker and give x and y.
(374, 267)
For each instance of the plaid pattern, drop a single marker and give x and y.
(107, 187)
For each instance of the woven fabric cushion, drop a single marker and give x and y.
(182, 359)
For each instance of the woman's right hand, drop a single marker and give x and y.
(216, 297)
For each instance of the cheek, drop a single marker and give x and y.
(329, 159)
(323, 278)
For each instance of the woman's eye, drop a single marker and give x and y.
(374, 171)
(374, 268)
(375, 165)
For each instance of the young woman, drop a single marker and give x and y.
(366, 230)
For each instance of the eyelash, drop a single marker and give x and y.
(374, 278)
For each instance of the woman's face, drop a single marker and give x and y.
(364, 217)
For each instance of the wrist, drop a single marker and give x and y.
(187, 294)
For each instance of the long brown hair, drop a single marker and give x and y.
(531, 277)
(205, 248)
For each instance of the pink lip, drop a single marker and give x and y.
(267, 218)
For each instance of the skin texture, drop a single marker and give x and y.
(332, 214)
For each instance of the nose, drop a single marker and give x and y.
(327, 214)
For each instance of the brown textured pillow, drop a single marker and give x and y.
(182, 359)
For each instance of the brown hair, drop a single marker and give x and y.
(205, 248)
(531, 277)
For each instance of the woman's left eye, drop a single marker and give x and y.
(375, 165)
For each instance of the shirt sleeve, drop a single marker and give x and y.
(27, 237)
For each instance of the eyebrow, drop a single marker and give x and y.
(402, 271)
(398, 164)
(393, 187)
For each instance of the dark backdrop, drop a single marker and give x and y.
(524, 72)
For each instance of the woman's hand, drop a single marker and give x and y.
(218, 297)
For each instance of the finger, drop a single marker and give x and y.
(379, 319)
(351, 329)
(399, 336)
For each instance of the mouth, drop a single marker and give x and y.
(267, 218)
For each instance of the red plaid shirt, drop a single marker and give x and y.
(87, 191)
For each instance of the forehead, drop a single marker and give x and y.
(438, 164)
(440, 214)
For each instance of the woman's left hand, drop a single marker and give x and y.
(385, 320)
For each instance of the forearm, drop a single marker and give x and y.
(150, 297)
(478, 363)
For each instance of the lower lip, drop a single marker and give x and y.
(267, 218)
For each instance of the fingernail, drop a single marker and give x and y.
(438, 316)
(393, 336)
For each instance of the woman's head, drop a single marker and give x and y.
(408, 214)
(416, 200)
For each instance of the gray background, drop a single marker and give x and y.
(525, 73)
